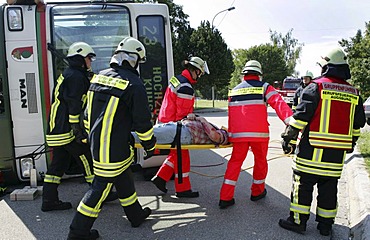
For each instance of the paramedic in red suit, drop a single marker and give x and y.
(178, 102)
(249, 128)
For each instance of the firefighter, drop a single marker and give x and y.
(330, 116)
(65, 132)
(248, 128)
(117, 105)
(178, 102)
(306, 79)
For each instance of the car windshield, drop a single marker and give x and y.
(291, 85)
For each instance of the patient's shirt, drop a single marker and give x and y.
(197, 131)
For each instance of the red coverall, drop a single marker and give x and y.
(248, 127)
(178, 102)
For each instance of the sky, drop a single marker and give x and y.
(319, 24)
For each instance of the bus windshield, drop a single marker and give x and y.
(101, 26)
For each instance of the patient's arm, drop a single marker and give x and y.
(210, 130)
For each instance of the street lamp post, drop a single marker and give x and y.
(229, 9)
(213, 88)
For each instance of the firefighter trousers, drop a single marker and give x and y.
(91, 204)
(169, 167)
(301, 198)
(60, 163)
(238, 155)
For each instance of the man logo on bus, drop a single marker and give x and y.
(22, 89)
(23, 54)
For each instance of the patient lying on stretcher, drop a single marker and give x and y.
(194, 130)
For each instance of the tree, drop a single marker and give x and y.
(357, 48)
(292, 48)
(208, 44)
(271, 58)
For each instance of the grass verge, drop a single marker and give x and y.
(364, 146)
(202, 104)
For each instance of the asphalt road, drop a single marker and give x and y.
(174, 218)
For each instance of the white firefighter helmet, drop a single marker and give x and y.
(131, 45)
(200, 64)
(80, 48)
(308, 74)
(335, 56)
(252, 65)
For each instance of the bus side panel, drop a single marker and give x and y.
(7, 165)
(24, 86)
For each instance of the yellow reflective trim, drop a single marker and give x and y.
(55, 104)
(90, 97)
(297, 123)
(110, 81)
(330, 144)
(299, 208)
(89, 178)
(356, 132)
(74, 118)
(86, 165)
(58, 142)
(52, 179)
(174, 81)
(333, 136)
(325, 115)
(326, 213)
(60, 136)
(319, 164)
(87, 211)
(317, 171)
(128, 201)
(145, 136)
(339, 96)
(244, 91)
(106, 129)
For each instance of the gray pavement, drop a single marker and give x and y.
(200, 218)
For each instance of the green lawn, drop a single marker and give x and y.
(202, 103)
(364, 146)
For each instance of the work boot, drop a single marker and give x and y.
(187, 194)
(258, 197)
(55, 205)
(111, 197)
(325, 228)
(92, 235)
(145, 213)
(292, 226)
(160, 183)
(223, 204)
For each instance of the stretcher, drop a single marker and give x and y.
(187, 146)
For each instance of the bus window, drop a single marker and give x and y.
(154, 72)
(101, 27)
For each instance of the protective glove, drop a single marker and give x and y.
(149, 147)
(79, 132)
(354, 140)
(289, 136)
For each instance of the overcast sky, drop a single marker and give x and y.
(319, 24)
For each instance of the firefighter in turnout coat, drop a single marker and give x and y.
(248, 128)
(117, 105)
(306, 79)
(65, 132)
(178, 102)
(330, 116)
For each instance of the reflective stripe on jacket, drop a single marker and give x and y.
(68, 104)
(178, 100)
(248, 110)
(329, 114)
(117, 105)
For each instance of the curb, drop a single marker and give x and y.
(359, 196)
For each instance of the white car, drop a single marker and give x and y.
(367, 110)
